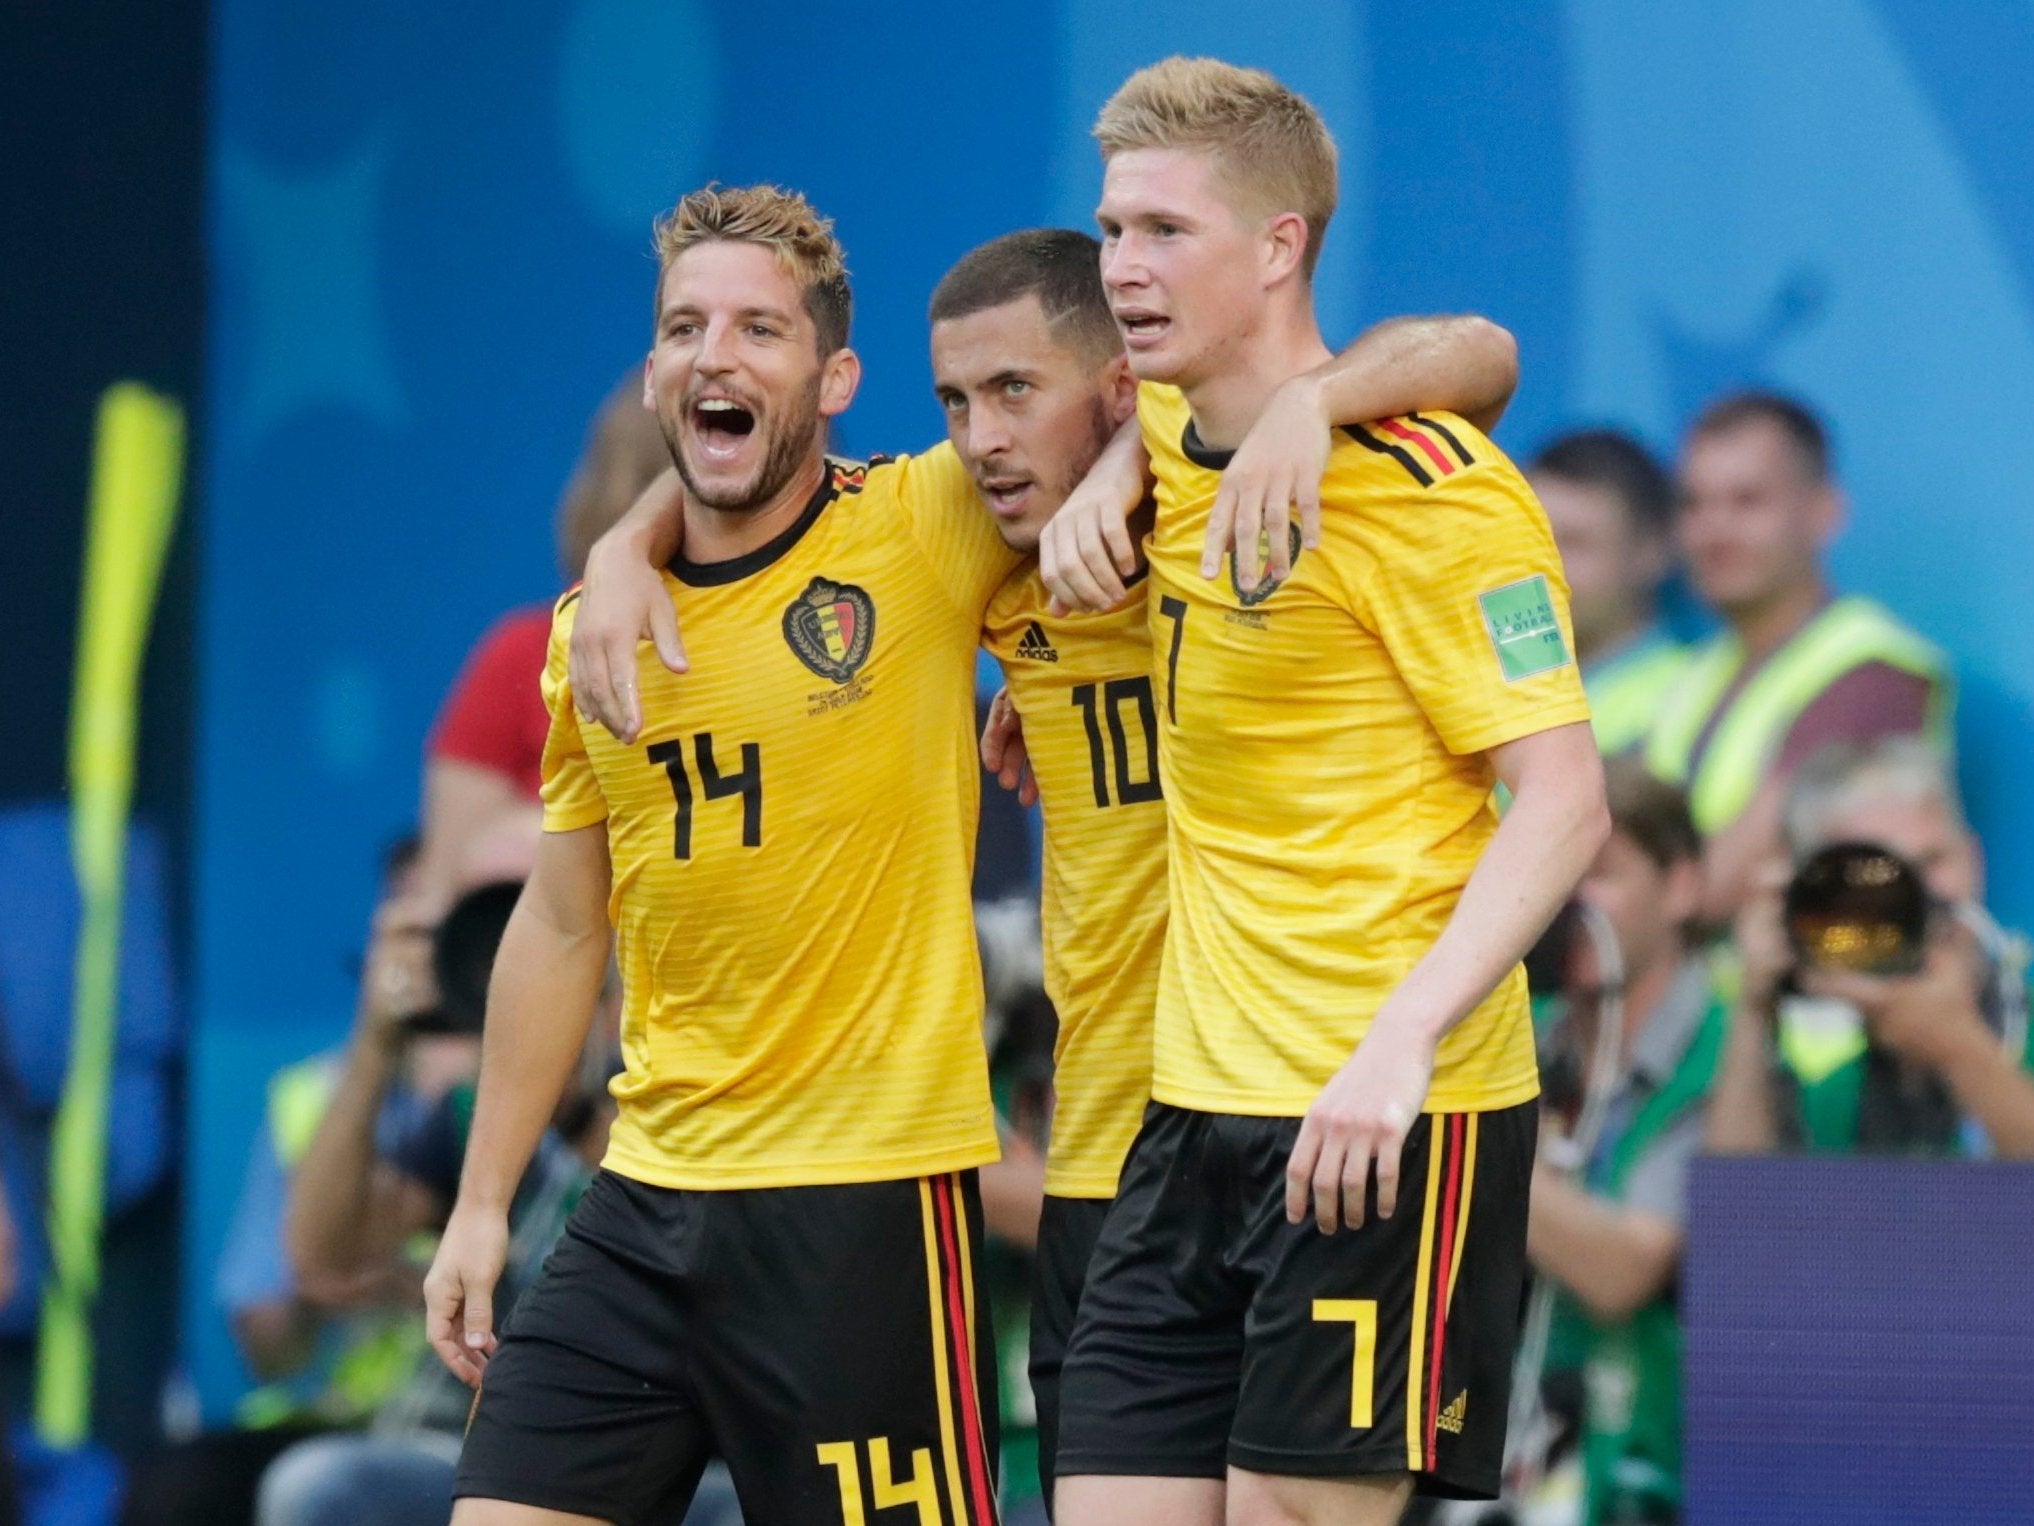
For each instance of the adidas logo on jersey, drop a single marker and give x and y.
(1035, 645)
(1451, 1419)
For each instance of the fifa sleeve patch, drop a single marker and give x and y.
(1522, 627)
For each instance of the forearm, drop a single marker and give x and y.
(1992, 1089)
(1013, 1196)
(1466, 365)
(1125, 465)
(330, 1197)
(653, 528)
(540, 1005)
(1613, 1260)
(1741, 1120)
(1541, 848)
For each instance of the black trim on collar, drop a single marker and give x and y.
(716, 574)
(1190, 444)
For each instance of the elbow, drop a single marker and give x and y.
(1500, 347)
(1617, 1300)
(1588, 807)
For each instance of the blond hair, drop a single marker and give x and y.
(783, 222)
(1270, 146)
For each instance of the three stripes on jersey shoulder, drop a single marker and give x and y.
(1428, 449)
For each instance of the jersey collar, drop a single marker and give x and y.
(1191, 447)
(749, 563)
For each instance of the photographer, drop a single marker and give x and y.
(366, 1200)
(1630, 1038)
(1924, 1054)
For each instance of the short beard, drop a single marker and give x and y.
(783, 455)
(1101, 432)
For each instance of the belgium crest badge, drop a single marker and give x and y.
(831, 627)
(1266, 585)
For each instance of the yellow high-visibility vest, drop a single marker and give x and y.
(1845, 636)
(1627, 690)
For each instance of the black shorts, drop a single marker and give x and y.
(832, 1344)
(1067, 1232)
(1212, 1333)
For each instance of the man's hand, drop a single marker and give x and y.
(1279, 464)
(1930, 1018)
(397, 982)
(1363, 1114)
(459, 1290)
(1760, 931)
(1086, 551)
(1089, 547)
(623, 602)
(1003, 751)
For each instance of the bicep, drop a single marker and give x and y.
(1562, 758)
(567, 890)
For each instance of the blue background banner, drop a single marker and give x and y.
(1867, 1356)
(430, 228)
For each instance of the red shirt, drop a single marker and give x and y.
(494, 718)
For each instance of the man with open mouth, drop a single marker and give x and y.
(1034, 385)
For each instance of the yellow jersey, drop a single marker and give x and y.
(792, 843)
(1325, 743)
(1082, 683)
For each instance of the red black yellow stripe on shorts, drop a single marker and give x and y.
(1426, 448)
(950, 1280)
(1444, 1226)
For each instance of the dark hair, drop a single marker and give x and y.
(1650, 811)
(400, 857)
(1613, 460)
(462, 955)
(1793, 418)
(1062, 268)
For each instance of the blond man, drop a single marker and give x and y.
(775, 1263)
(1304, 1301)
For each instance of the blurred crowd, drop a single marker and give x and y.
(1783, 946)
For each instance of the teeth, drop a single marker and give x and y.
(718, 405)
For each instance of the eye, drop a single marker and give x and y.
(1165, 230)
(1016, 387)
(682, 329)
(952, 402)
(762, 331)
(1111, 231)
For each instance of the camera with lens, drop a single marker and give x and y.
(462, 960)
(1859, 908)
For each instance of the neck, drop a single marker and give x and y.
(1766, 626)
(1227, 403)
(721, 535)
(1644, 989)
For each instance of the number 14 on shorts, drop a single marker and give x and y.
(920, 1489)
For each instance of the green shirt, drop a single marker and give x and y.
(1631, 1368)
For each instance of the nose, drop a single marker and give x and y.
(715, 356)
(1123, 261)
(988, 433)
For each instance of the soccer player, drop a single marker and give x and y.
(775, 1263)
(1340, 990)
(1030, 372)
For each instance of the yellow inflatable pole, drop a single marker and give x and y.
(137, 471)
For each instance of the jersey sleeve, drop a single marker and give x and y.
(1465, 590)
(953, 529)
(571, 792)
